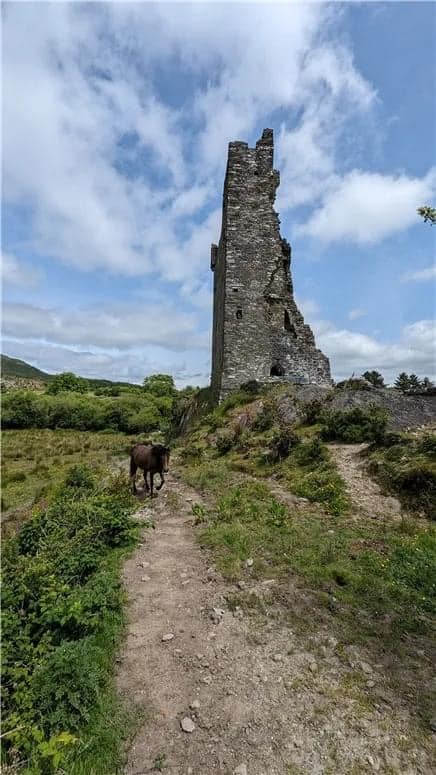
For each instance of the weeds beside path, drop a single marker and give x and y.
(256, 664)
(365, 493)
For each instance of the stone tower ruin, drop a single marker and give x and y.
(258, 331)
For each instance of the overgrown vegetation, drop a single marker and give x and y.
(86, 412)
(354, 426)
(370, 566)
(34, 462)
(406, 467)
(62, 617)
(385, 569)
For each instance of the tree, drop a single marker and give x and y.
(428, 213)
(402, 382)
(67, 382)
(159, 385)
(414, 382)
(374, 377)
(427, 383)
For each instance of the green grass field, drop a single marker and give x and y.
(34, 463)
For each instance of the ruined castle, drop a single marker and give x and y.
(258, 331)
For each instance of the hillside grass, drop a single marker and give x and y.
(405, 465)
(376, 578)
(34, 462)
(62, 615)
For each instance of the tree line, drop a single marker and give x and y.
(403, 381)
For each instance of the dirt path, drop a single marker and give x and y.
(263, 696)
(366, 496)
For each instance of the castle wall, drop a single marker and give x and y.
(258, 331)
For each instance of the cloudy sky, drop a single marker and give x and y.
(116, 120)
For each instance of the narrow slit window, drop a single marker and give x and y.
(288, 325)
(239, 314)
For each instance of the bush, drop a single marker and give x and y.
(225, 440)
(356, 425)
(312, 411)
(427, 445)
(80, 477)
(282, 443)
(62, 607)
(312, 451)
(355, 383)
(67, 382)
(265, 419)
(129, 413)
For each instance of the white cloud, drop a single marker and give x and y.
(119, 326)
(356, 313)
(364, 207)
(18, 273)
(108, 168)
(421, 275)
(132, 366)
(353, 352)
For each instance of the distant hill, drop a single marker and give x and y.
(13, 367)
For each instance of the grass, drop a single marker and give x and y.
(62, 622)
(34, 462)
(407, 469)
(365, 565)
(310, 473)
(373, 581)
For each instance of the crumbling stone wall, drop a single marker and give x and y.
(258, 331)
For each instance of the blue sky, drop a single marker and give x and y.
(116, 120)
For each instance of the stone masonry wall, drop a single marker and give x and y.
(258, 331)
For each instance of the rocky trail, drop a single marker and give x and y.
(222, 688)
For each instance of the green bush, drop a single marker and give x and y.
(312, 411)
(128, 413)
(408, 470)
(283, 441)
(427, 445)
(265, 419)
(225, 440)
(312, 451)
(67, 382)
(356, 425)
(80, 477)
(61, 609)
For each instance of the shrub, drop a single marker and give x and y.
(191, 453)
(129, 413)
(225, 440)
(355, 383)
(67, 382)
(282, 443)
(356, 425)
(62, 606)
(427, 445)
(265, 419)
(80, 477)
(312, 411)
(312, 451)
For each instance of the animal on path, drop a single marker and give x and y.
(152, 459)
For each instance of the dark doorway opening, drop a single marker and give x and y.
(239, 314)
(276, 370)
